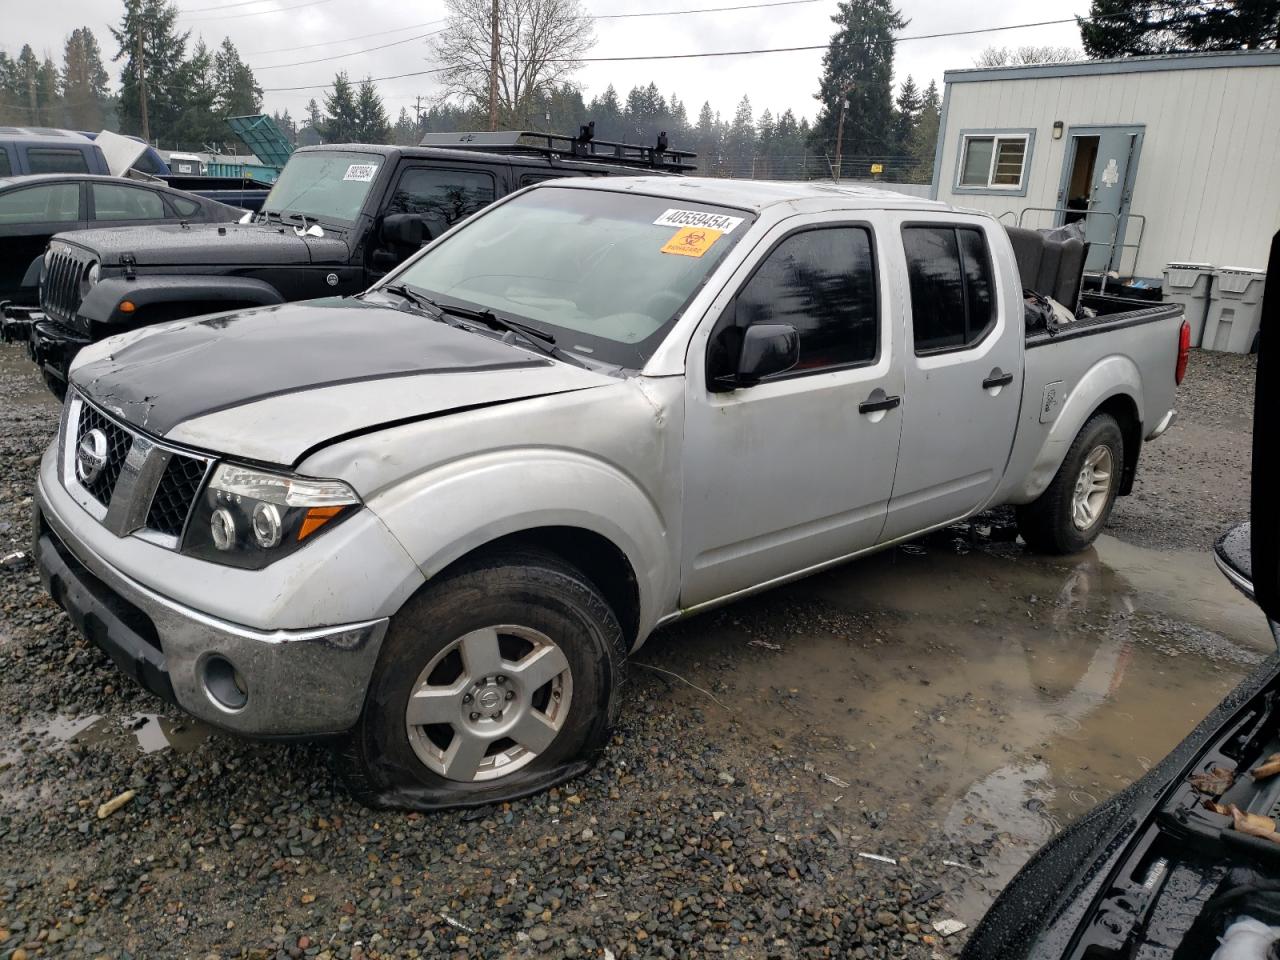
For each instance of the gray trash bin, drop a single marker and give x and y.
(1235, 309)
(1189, 284)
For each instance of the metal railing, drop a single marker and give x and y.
(1112, 244)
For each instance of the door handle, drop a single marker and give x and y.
(997, 379)
(874, 403)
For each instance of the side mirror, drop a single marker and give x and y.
(767, 348)
(404, 230)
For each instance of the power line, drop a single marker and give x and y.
(262, 13)
(222, 6)
(678, 13)
(353, 53)
(329, 43)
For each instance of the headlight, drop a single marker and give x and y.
(250, 518)
(89, 279)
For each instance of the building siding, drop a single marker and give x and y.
(1207, 180)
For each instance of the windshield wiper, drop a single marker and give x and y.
(419, 300)
(492, 319)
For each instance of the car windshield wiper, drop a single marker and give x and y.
(419, 300)
(487, 316)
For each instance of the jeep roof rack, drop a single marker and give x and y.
(584, 146)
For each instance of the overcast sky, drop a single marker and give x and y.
(293, 28)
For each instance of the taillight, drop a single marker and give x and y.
(1184, 352)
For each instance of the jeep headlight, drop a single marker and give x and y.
(250, 518)
(89, 279)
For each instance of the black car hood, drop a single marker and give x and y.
(200, 244)
(272, 383)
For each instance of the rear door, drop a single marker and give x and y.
(29, 216)
(963, 371)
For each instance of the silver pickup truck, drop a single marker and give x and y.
(432, 520)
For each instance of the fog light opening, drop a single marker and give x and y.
(224, 684)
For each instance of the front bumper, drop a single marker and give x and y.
(50, 345)
(295, 682)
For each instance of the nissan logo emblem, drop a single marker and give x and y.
(91, 456)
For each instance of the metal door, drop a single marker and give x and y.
(791, 474)
(1110, 185)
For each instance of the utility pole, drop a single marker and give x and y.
(844, 106)
(493, 67)
(142, 76)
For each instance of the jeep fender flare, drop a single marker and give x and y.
(102, 304)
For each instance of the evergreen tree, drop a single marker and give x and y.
(86, 96)
(858, 67)
(1118, 28)
(238, 92)
(924, 138)
(196, 127)
(905, 115)
(287, 125)
(13, 95)
(766, 146)
(315, 116)
(49, 94)
(707, 140)
(405, 131)
(606, 111)
(341, 121)
(371, 118)
(740, 141)
(164, 55)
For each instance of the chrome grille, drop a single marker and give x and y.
(119, 441)
(143, 487)
(60, 283)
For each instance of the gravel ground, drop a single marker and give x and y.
(691, 838)
(1193, 483)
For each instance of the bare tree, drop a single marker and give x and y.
(1007, 57)
(541, 45)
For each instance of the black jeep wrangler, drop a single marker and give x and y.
(338, 218)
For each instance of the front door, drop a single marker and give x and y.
(1097, 185)
(963, 366)
(795, 471)
(28, 218)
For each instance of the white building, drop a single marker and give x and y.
(1176, 158)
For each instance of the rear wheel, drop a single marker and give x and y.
(1072, 511)
(493, 683)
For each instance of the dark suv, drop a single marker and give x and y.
(338, 218)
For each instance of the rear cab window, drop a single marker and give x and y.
(952, 288)
(56, 160)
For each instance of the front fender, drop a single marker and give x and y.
(32, 277)
(444, 514)
(102, 304)
(1113, 376)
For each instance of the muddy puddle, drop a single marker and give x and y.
(961, 686)
(144, 732)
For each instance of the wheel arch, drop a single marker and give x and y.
(592, 554)
(1122, 407)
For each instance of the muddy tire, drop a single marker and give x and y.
(494, 682)
(1072, 511)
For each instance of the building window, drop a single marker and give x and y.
(993, 162)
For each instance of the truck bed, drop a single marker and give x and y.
(1113, 313)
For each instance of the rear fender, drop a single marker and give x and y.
(204, 294)
(1113, 376)
(444, 514)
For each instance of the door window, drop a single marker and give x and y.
(111, 201)
(56, 161)
(6, 168)
(442, 197)
(952, 298)
(822, 282)
(185, 206)
(52, 203)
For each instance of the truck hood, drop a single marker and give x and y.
(206, 244)
(276, 383)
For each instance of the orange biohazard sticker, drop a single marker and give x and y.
(691, 241)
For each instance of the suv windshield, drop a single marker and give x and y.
(606, 273)
(324, 185)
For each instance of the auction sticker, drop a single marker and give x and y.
(361, 171)
(717, 222)
(691, 241)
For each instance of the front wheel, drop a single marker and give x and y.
(1072, 511)
(493, 683)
